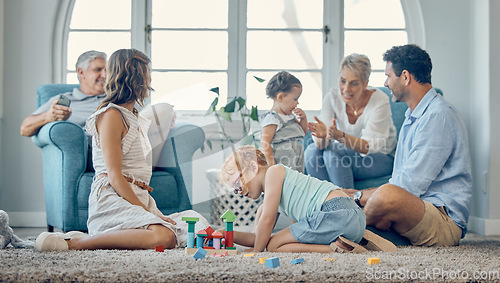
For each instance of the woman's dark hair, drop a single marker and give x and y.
(412, 58)
(128, 77)
(281, 82)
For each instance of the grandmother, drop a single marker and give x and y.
(354, 136)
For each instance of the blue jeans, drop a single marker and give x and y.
(341, 165)
(338, 216)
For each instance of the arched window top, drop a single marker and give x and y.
(224, 45)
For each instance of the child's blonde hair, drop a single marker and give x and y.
(240, 160)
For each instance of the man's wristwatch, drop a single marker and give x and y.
(357, 198)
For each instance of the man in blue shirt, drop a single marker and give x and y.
(427, 198)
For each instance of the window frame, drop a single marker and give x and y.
(333, 50)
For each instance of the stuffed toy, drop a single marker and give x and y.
(7, 235)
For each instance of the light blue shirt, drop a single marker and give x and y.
(432, 158)
(302, 195)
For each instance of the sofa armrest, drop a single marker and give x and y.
(182, 142)
(64, 149)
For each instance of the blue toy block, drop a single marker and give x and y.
(199, 254)
(190, 240)
(199, 242)
(297, 260)
(273, 262)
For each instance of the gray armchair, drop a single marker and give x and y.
(68, 172)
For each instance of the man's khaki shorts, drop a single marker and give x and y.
(435, 229)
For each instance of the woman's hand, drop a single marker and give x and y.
(333, 132)
(317, 129)
(168, 219)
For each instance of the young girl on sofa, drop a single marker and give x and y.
(122, 214)
(326, 219)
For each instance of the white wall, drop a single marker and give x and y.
(461, 41)
(27, 56)
(494, 117)
(480, 101)
(1, 84)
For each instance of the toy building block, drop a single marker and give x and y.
(190, 240)
(210, 243)
(200, 236)
(209, 231)
(191, 223)
(159, 249)
(297, 261)
(211, 251)
(329, 259)
(228, 218)
(273, 262)
(373, 260)
(217, 238)
(247, 255)
(262, 260)
(199, 254)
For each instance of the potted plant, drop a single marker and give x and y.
(236, 106)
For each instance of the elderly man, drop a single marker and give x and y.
(91, 70)
(427, 198)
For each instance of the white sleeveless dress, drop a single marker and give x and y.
(110, 212)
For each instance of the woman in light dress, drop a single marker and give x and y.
(122, 213)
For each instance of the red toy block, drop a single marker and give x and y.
(209, 231)
(228, 239)
(159, 249)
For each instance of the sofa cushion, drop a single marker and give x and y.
(165, 191)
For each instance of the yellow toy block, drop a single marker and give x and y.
(373, 260)
(329, 259)
(262, 260)
(247, 255)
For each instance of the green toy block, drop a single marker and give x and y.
(228, 216)
(229, 226)
(190, 219)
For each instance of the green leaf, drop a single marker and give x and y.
(230, 106)
(259, 79)
(215, 89)
(254, 114)
(225, 115)
(211, 109)
(241, 101)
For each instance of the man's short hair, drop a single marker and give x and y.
(412, 58)
(87, 57)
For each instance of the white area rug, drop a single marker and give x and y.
(476, 259)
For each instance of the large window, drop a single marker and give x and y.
(195, 45)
